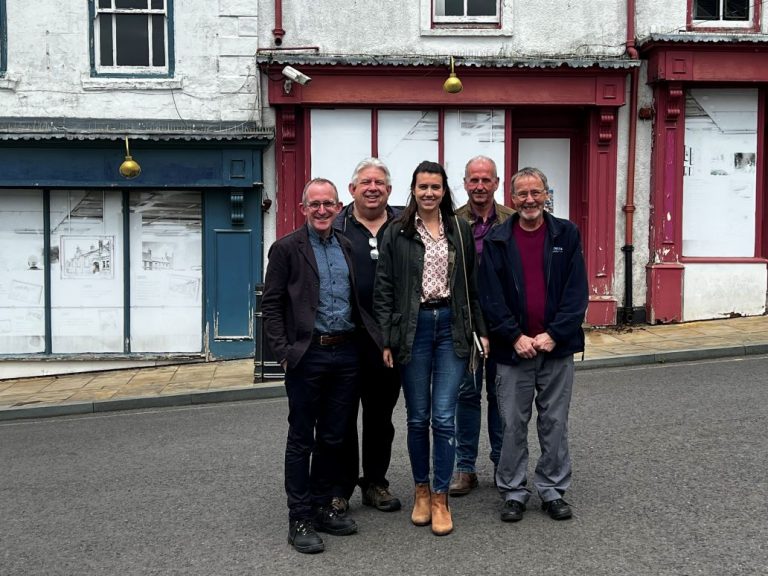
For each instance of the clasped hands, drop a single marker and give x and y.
(527, 347)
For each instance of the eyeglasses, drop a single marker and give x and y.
(316, 204)
(535, 194)
(373, 243)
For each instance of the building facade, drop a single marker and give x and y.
(643, 114)
(647, 116)
(102, 270)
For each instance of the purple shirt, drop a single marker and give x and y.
(481, 228)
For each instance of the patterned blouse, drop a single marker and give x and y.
(434, 280)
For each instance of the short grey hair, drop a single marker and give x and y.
(317, 181)
(528, 171)
(481, 158)
(371, 163)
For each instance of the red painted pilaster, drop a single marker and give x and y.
(665, 273)
(288, 165)
(601, 213)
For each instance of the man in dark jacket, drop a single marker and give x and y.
(314, 323)
(363, 223)
(533, 292)
(483, 214)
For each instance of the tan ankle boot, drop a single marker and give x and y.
(421, 515)
(442, 523)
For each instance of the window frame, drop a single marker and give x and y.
(117, 71)
(751, 24)
(465, 19)
(501, 25)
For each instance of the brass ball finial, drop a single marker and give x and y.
(129, 169)
(452, 85)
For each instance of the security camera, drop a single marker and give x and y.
(295, 76)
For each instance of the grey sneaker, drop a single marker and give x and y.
(380, 498)
(340, 504)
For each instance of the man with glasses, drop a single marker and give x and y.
(363, 222)
(483, 213)
(533, 291)
(314, 323)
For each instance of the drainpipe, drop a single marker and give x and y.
(278, 31)
(629, 204)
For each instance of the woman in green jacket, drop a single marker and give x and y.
(425, 300)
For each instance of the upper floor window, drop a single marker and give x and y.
(737, 14)
(131, 36)
(466, 12)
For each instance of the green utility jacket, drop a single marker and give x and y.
(397, 291)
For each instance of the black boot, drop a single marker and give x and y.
(329, 519)
(302, 536)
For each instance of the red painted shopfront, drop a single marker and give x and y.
(577, 104)
(677, 65)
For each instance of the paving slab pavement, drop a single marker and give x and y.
(223, 381)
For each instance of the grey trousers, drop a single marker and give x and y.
(550, 382)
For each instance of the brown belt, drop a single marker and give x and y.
(332, 339)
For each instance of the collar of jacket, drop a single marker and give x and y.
(469, 215)
(340, 222)
(503, 232)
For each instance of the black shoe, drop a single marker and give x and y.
(512, 511)
(557, 509)
(302, 536)
(330, 520)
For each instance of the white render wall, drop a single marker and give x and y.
(536, 28)
(723, 290)
(659, 17)
(48, 71)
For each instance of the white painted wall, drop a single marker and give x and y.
(529, 28)
(48, 72)
(722, 290)
(659, 17)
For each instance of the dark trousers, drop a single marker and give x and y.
(379, 392)
(322, 398)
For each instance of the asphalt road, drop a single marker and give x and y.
(670, 466)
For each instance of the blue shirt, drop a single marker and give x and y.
(334, 312)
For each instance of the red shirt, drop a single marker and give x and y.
(531, 247)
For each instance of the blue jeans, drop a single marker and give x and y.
(469, 414)
(430, 386)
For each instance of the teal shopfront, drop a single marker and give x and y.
(161, 266)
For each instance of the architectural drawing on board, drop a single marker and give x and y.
(87, 256)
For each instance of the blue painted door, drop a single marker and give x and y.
(233, 267)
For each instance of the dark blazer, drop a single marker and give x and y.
(292, 294)
(502, 289)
